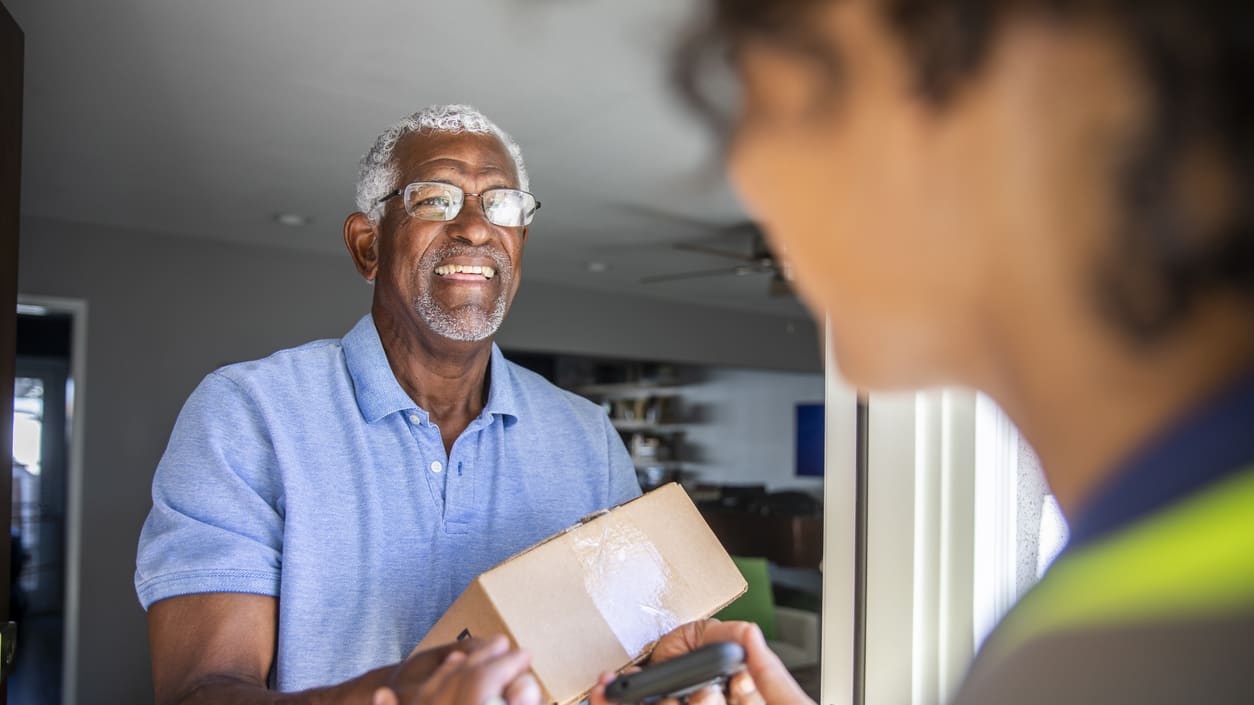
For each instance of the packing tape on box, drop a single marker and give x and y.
(628, 581)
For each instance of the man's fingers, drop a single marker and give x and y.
(477, 682)
(384, 696)
(442, 676)
(417, 669)
(486, 650)
(523, 690)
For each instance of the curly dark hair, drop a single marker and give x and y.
(1197, 57)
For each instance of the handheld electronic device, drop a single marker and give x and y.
(709, 665)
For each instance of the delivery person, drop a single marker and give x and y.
(1051, 202)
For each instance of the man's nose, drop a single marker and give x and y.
(471, 225)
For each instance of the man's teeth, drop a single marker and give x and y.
(485, 271)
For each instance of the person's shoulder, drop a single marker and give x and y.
(294, 365)
(312, 354)
(1162, 659)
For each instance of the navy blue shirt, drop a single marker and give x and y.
(312, 477)
(1214, 441)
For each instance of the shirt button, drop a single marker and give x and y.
(414, 418)
(436, 466)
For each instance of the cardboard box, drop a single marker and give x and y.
(597, 596)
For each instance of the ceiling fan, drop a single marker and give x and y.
(754, 259)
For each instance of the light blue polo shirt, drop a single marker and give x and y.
(311, 476)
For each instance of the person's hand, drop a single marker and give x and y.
(765, 681)
(470, 672)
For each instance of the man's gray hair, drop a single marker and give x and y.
(379, 173)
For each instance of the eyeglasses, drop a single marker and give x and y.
(434, 200)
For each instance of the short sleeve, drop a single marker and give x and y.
(216, 523)
(623, 483)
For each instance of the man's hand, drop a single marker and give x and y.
(218, 648)
(470, 672)
(764, 682)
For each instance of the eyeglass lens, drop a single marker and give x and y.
(505, 207)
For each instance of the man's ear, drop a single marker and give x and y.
(362, 239)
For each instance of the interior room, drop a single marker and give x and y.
(186, 171)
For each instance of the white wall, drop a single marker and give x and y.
(164, 311)
(749, 436)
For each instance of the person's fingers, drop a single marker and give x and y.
(771, 678)
(487, 650)
(384, 696)
(742, 690)
(442, 676)
(709, 695)
(597, 695)
(523, 690)
(773, 683)
(416, 670)
(488, 677)
(683, 639)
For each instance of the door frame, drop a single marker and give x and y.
(77, 310)
(842, 679)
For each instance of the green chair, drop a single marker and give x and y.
(757, 605)
(791, 633)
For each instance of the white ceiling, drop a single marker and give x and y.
(207, 119)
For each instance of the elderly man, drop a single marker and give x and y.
(318, 510)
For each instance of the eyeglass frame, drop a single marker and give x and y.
(400, 191)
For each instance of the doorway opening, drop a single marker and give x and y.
(43, 532)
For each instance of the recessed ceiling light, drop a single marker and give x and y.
(291, 220)
(598, 267)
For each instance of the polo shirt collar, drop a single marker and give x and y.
(379, 394)
(503, 389)
(1203, 447)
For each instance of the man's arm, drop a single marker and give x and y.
(218, 648)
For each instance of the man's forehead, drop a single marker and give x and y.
(468, 152)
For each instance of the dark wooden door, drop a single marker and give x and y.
(11, 50)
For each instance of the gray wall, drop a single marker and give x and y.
(750, 433)
(163, 311)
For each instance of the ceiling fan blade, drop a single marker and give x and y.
(739, 271)
(690, 247)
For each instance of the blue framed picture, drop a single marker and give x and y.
(810, 429)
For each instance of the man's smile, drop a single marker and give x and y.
(466, 272)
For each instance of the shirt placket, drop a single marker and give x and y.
(430, 457)
(459, 505)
